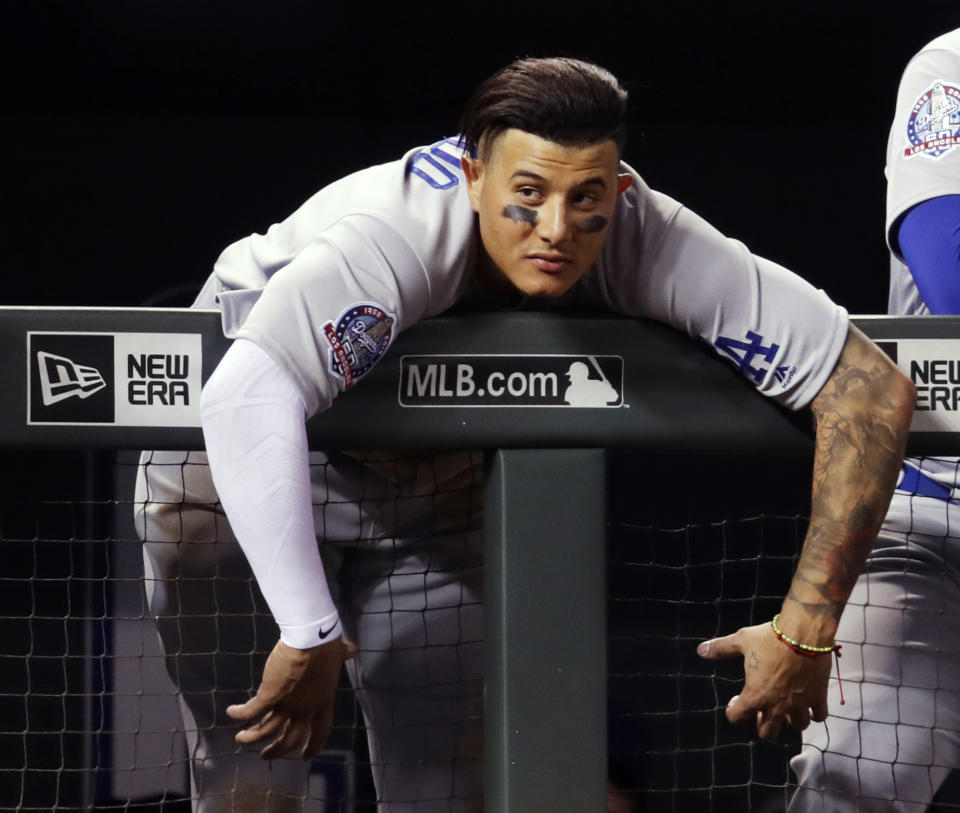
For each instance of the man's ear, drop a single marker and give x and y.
(473, 173)
(624, 182)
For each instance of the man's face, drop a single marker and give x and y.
(544, 209)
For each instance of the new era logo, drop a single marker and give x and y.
(62, 378)
(123, 378)
(71, 378)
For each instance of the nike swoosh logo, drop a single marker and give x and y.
(325, 634)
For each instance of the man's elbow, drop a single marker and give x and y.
(868, 390)
(889, 409)
(903, 397)
(218, 395)
(210, 397)
(905, 393)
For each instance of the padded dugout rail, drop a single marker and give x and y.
(516, 380)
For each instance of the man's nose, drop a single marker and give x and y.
(554, 224)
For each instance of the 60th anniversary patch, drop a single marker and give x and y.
(933, 127)
(511, 381)
(360, 337)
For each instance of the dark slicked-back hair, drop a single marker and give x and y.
(567, 101)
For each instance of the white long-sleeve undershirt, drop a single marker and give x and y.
(253, 422)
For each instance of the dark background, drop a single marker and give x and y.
(143, 137)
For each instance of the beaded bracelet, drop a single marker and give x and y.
(809, 651)
(806, 649)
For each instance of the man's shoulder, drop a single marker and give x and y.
(939, 58)
(419, 195)
(641, 212)
(950, 41)
(433, 167)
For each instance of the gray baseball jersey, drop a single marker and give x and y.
(326, 291)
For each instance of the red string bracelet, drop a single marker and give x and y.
(809, 651)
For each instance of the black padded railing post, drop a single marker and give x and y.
(545, 681)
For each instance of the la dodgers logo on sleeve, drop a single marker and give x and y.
(746, 353)
(359, 338)
(933, 127)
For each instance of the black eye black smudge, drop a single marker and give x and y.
(593, 224)
(521, 214)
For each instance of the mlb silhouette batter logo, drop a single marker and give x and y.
(584, 391)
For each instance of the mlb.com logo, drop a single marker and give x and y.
(124, 379)
(495, 380)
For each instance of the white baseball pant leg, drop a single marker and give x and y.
(890, 747)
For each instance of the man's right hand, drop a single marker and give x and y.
(293, 706)
(781, 687)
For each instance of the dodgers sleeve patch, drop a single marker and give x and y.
(360, 336)
(933, 127)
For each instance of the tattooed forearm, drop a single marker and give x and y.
(826, 573)
(863, 415)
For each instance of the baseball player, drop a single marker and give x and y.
(890, 747)
(531, 202)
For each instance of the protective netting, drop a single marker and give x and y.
(88, 715)
(697, 547)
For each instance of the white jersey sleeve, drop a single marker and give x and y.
(923, 151)
(664, 262)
